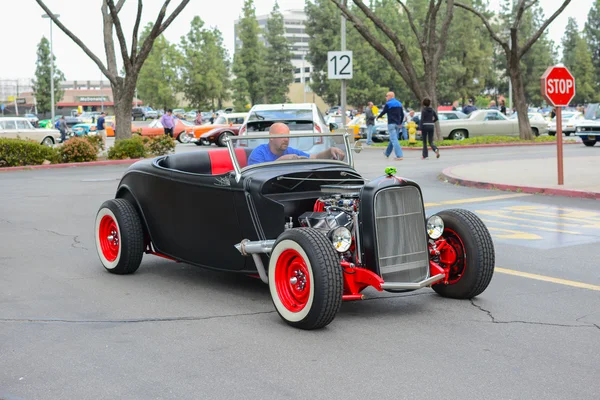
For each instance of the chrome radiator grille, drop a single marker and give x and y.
(401, 237)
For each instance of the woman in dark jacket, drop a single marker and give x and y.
(427, 126)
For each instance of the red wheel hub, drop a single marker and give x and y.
(292, 280)
(108, 234)
(453, 255)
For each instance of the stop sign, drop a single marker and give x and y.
(558, 86)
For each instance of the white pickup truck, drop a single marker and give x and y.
(588, 129)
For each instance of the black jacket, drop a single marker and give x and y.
(428, 119)
(394, 111)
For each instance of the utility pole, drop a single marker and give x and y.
(51, 67)
(343, 94)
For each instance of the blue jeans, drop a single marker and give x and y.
(370, 131)
(394, 144)
(404, 132)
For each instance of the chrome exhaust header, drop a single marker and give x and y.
(256, 248)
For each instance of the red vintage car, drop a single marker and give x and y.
(217, 136)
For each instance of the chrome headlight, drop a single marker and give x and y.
(341, 238)
(435, 227)
(578, 129)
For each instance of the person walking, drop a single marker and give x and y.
(395, 113)
(502, 107)
(198, 120)
(168, 122)
(370, 120)
(427, 126)
(101, 127)
(62, 127)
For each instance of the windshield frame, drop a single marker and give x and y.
(230, 141)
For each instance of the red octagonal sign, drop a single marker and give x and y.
(558, 86)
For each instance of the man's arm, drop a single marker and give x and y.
(383, 112)
(330, 153)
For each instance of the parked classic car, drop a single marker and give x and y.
(18, 127)
(539, 124)
(482, 123)
(569, 123)
(589, 128)
(70, 120)
(183, 130)
(306, 114)
(84, 129)
(314, 230)
(222, 121)
(217, 136)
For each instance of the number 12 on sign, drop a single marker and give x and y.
(339, 65)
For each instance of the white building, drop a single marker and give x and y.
(294, 21)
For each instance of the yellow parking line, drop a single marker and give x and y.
(477, 199)
(504, 215)
(512, 234)
(561, 217)
(530, 226)
(559, 281)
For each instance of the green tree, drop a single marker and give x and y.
(507, 34)
(323, 28)
(123, 85)
(592, 36)
(468, 65)
(158, 80)
(41, 83)
(569, 41)
(279, 71)
(538, 58)
(205, 67)
(240, 84)
(251, 52)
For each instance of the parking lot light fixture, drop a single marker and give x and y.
(51, 68)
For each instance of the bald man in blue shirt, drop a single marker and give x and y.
(278, 149)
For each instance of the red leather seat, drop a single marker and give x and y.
(221, 163)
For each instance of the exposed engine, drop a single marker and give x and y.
(336, 215)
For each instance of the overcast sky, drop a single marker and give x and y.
(22, 28)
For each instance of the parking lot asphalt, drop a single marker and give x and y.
(68, 329)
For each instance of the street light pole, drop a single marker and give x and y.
(51, 68)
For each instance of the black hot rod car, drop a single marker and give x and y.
(314, 230)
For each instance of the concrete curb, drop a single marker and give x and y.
(72, 165)
(477, 146)
(447, 176)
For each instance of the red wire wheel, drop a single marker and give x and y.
(469, 254)
(292, 280)
(108, 234)
(455, 257)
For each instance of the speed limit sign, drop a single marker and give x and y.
(339, 64)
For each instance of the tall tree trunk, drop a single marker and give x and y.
(519, 97)
(123, 97)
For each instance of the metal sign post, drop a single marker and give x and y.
(558, 88)
(343, 94)
(559, 143)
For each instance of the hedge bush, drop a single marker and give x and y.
(128, 148)
(77, 150)
(96, 141)
(19, 152)
(141, 146)
(160, 145)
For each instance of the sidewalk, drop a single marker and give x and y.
(540, 176)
